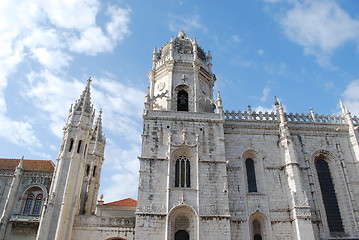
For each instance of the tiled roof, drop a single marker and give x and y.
(29, 165)
(128, 202)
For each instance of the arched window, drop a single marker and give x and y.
(37, 205)
(182, 101)
(71, 145)
(182, 172)
(28, 203)
(329, 198)
(251, 175)
(79, 146)
(181, 235)
(33, 201)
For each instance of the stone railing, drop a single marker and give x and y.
(250, 115)
(290, 117)
(25, 218)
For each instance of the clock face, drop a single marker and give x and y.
(161, 86)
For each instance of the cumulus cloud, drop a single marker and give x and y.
(351, 97)
(265, 94)
(125, 165)
(186, 23)
(45, 34)
(320, 27)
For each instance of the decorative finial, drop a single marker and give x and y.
(181, 34)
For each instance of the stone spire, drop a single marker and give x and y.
(97, 134)
(84, 102)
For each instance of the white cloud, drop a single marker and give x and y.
(264, 109)
(320, 27)
(186, 23)
(351, 97)
(236, 38)
(265, 94)
(45, 32)
(125, 163)
(260, 52)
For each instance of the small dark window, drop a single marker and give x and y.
(182, 101)
(251, 175)
(85, 150)
(94, 171)
(87, 169)
(257, 237)
(181, 235)
(79, 146)
(329, 198)
(182, 172)
(71, 144)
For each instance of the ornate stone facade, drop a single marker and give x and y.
(205, 173)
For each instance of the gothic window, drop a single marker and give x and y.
(329, 197)
(181, 235)
(37, 205)
(33, 201)
(182, 172)
(182, 101)
(79, 146)
(251, 175)
(28, 203)
(71, 144)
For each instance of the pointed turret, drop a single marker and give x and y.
(97, 134)
(84, 102)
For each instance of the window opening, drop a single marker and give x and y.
(37, 205)
(28, 203)
(182, 172)
(94, 171)
(79, 146)
(329, 197)
(182, 101)
(87, 169)
(71, 144)
(251, 175)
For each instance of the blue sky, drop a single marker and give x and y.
(304, 52)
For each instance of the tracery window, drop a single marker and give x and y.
(329, 197)
(182, 172)
(33, 201)
(182, 101)
(251, 175)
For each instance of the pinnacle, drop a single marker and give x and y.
(98, 128)
(84, 102)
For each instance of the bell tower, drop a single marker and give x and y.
(183, 176)
(181, 77)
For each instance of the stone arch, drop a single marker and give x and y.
(182, 218)
(182, 88)
(32, 200)
(259, 225)
(329, 179)
(258, 171)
